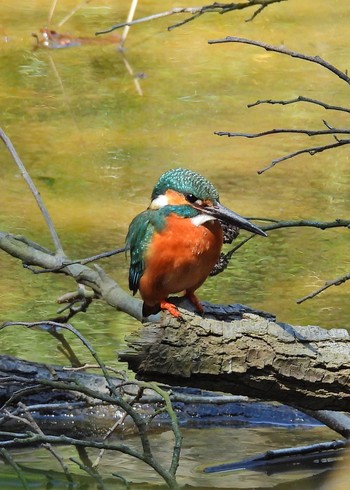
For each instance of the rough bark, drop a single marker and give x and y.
(249, 353)
(34, 255)
(44, 390)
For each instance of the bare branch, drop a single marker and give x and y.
(102, 255)
(322, 225)
(32, 187)
(312, 150)
(220, 8)
(131, 14)
(328, 284)
(6, 455)
(113, 395)
(275, 225)
(52, 10)
(27, 416)
(89, 470)
(35, 439)
(300, 98)
(294, 54)
(308, 132)
(313, 224)
(105, 287)
(72, 12)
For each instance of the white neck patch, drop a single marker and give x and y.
(159, 202)
(200, 219)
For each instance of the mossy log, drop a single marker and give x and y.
(239, 350)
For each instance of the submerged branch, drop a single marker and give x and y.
(285, 456)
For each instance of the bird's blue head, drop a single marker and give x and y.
(179, 187)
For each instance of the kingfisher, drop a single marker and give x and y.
(175, 243)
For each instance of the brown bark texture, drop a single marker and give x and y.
(239, 350)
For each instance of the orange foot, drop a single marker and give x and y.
(195, 301)
(165, 305)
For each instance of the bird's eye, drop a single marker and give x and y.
(191, 198)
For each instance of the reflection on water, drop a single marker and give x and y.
(95, 148)
(226, 445)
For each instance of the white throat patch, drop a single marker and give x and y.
(200, 219)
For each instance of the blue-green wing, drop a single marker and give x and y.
(140, 234)
(138, 238)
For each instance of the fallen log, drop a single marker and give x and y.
(44, 391)
(239, 350)
(233, 349)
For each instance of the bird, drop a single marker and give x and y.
(175, 243)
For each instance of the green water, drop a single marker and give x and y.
(95, 148)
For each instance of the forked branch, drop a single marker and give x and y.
(330, 131)
(195, 12)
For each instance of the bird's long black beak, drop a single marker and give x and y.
(221, 213)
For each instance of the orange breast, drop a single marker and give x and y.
(180, 258)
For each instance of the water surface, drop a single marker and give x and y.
(95, 148)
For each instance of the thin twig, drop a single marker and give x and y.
(32, 187)
(312, 151)
(279, 49)
(129, 19)
(328, 284)
(52, 10)
(66, 263)
(307, 132)
(100, 256)
(104, 286)
(72, 12)
(300, 98)
(322, 225)
(220, 8)
(131, 73)
(35, 439)
(49, 447)
(276, 225)
(91, 472)
(9, 459)
(174, 425)
(146, 455)
(110, 431)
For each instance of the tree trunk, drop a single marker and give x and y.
(238, 350)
